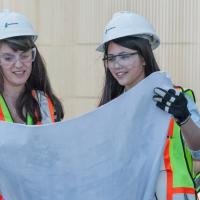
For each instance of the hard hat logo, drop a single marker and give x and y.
(125, 24)
(109, 29)
(8, 24)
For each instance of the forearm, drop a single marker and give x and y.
(191, 134)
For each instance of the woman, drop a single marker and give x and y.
(25, 93)
(128, 59)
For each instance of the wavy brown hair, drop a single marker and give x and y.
(38, 80)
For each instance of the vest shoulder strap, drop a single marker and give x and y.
(188, 92)
(46, 106)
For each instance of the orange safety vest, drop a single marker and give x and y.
(6, 116)
(178, 163)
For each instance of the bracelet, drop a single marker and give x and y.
(184, 122)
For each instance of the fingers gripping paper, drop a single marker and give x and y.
(112, 153)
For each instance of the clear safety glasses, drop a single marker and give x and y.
(26, 57)
(123, 59)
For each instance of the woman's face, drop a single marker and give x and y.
(125, 64)
(16, 66)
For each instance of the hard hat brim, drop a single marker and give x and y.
(155, 42)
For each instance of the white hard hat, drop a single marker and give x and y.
(126, 23)
(14, 24)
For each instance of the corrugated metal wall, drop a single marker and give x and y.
(69, 32)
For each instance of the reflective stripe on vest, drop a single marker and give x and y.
(46, 107)
(5, 114)
(197, 182)
(178, 163)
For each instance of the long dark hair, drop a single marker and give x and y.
(38, 80)
(112, 88)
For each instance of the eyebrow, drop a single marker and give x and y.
(6, 53)
(121, 53)
(12, 53)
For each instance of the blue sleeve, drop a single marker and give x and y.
(192, 107)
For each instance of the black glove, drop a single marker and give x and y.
(173, 102)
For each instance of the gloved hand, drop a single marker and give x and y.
(173, 102)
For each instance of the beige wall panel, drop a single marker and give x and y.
(8, 4)
(56, 24)
(59, 67)
(160, 14)
(182, 62)
(75, 72)
(29, 9)
(87, 71)
(174, 20)
(92, 16)
(78, 106)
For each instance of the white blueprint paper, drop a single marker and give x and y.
(112, 153)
